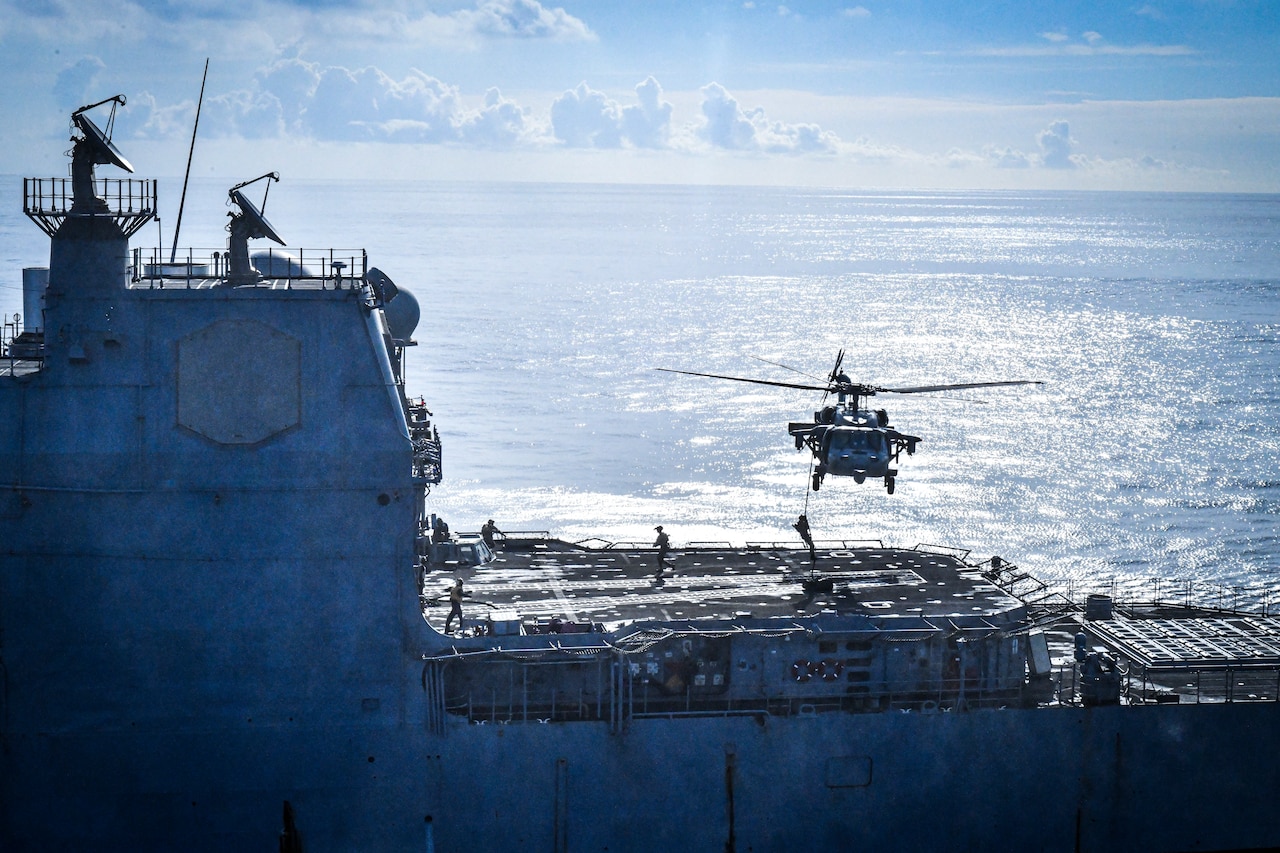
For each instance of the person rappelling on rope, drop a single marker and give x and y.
(802, 527)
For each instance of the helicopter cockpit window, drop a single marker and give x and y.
(866, 441)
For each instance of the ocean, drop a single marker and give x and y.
(1151, 453)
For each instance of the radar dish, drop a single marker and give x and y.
(382, 285)
(100, 146)
(253, 217)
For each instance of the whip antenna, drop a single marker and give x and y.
(173, 251)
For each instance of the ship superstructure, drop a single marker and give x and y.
(223, 609)
(210, 492)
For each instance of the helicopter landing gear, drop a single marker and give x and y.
(817, 480)
(889, 484)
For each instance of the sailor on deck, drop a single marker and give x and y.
(455, 605)
(663, 544)
(487, 531)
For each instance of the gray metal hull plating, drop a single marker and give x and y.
(1157, 778)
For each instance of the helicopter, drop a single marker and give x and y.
(848, 439)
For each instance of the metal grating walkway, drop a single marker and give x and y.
(1226, 641)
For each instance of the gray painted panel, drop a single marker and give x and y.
(238, 382)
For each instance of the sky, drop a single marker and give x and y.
(1160, 95)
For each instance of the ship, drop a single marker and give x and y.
(228, 622)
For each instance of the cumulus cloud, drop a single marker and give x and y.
(648, 123)
(523, 19)
(245, 114)
(1055, 146)
(333, 103)
(585, 118)
(292, 82)
(295, 97)
(252, 115)
(149, 119)
(856, 12)
(367, 104)
(1007, 158)
(726, 125)
(498, 124)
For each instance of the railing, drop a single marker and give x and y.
(129, 202)
(21, 352)
(611, 692)
(596, 543)
(428, 453)
(1129, 593)
(818, 544)
(1182, 593)
(10, 327)
(1141, 685)
(611, 684)
(618, 697)
(338, 269)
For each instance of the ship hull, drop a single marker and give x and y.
(1092, 779)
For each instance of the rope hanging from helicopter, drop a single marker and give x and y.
(807, 479)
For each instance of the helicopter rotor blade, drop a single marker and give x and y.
(929, 389)
(831, 380)
(744, 379)
(835, 371)
(787, 367)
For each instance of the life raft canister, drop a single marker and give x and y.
(804, 670)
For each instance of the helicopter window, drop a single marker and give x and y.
(865, 440)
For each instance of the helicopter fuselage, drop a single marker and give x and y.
(847, 441)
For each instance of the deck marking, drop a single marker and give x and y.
(569, 612)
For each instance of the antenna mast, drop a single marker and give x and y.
(173, 250)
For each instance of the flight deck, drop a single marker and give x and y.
(544, 582)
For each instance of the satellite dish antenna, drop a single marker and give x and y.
(103, 149)
(250, 214)
(383, 287)
(248, 224)
(93, 147)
